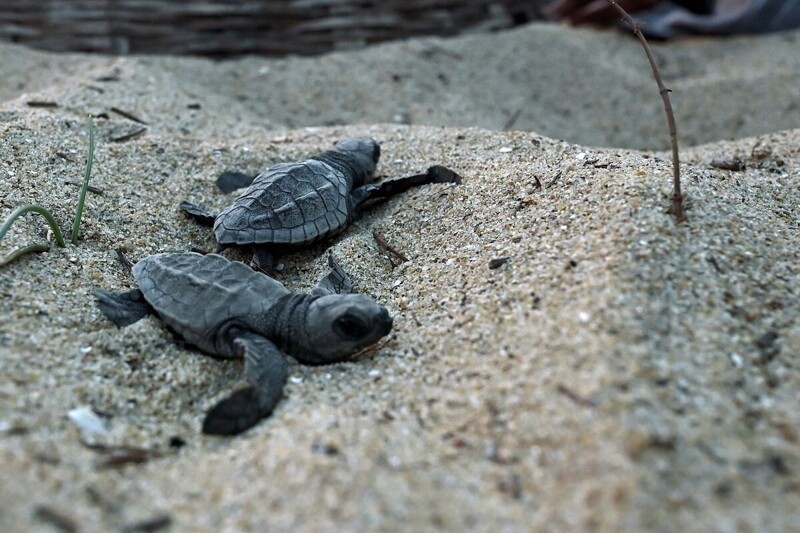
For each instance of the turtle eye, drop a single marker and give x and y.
(350, 326)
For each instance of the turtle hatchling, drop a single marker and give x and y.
(227, 309)
(294, 204)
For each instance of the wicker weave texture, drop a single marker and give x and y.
(231, 27)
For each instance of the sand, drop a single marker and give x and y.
(617, 371)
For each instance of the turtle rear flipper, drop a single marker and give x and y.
(231, 180)
(265, 260)
(265, 372)
(123, 308)
(198, 213)
(386, 189)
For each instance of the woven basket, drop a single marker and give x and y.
(231, 27)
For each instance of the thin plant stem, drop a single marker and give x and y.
(51, 221)
(76, 226)
(677, 198)
(21, 210)
(19, 252)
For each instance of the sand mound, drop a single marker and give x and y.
(615, 371)
(586, 87)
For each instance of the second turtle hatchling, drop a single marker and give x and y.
(227, 309)
(295, 204)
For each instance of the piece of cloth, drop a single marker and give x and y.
(727, 17)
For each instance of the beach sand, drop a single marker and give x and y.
(615, 371)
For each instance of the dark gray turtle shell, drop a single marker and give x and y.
(203, 296)
(292, 203)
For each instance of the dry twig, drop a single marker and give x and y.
(575, 397)
(129, 116)
(123, 259)
(129, 136)
(381, 240)
(677, 198)
(55, 518)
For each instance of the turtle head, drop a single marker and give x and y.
(339, 325)
(363, 154)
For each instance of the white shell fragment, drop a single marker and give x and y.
(87, 421)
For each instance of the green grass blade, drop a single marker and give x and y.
(21, 210)
(76, 226)
(19, 252)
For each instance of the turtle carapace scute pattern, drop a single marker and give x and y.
(227, 309)
(296, 204)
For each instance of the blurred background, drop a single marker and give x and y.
(223, 28)
(501, 67)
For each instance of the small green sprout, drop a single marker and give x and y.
(76, 226)
(51, 221)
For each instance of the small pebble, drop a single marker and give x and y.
(497, 262)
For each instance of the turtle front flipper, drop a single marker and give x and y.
(123, 308)
(337, 282)
(381, 191)
(265, 372)
(198, 213)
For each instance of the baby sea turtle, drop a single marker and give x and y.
(227, 309)
(294, 204)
